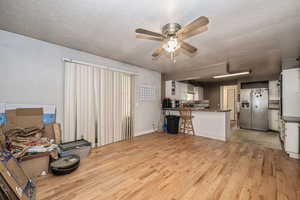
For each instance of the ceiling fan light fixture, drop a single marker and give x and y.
(172, 36)
(172, 45)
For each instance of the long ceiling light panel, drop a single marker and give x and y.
(233, 74)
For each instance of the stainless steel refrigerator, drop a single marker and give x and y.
(254, 109)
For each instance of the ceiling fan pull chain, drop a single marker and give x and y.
(173, 57)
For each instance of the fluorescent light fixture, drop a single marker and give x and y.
(233, 74)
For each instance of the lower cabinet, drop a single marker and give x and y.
(291, 144)
(273, 117)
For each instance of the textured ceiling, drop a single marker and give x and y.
(254, 34)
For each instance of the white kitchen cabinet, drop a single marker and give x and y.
(201, 95)
(291, 144)
(291, 93)
(273, 90)
(181, 90)
(273, 117)
(168, 90)
(198, 93)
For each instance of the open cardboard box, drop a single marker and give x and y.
(35, 164)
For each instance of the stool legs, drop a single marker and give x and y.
(186, 126)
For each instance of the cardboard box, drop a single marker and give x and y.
(11, 117)
(2, 138)
(57, 133)
(33, 117)
(29, 117)
(53, 131)
(17, 173)
(49, 131)
(35, 164)
(15, 178)
(25, 117)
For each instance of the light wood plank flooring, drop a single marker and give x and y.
(178, 167)
(264, 138)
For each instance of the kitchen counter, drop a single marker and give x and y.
(214, 124)
(291, 119)
(198, 110)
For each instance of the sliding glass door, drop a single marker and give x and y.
(98, 104)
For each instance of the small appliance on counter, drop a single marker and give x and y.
(167, 103)
(201, 104)
(177, 103)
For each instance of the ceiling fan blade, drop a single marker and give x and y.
(197, 23)
(188, 47)
(193, 33)
(140, 36)
(146, 32)
(158, 51)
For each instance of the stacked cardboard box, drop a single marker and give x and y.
(33, 164)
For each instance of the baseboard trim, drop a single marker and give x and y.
(294, 155)
(212, 137)
(144, 132)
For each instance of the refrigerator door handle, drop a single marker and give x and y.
(251, 109)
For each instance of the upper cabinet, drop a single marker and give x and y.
(198, 93)
(183, 91)
(171, 89)
(201, 95)
(291, 92)
(176, 90)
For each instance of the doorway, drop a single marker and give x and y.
(229, 101)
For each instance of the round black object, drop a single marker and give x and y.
(172, 123)
(65, 165)
(59, 172)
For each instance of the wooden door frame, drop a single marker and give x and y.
(222, 88)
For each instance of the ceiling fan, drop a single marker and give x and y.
(173, 35)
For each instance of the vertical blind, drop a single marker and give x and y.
(98, 104)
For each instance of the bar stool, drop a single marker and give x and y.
(186, 124)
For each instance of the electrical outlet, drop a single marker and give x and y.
(153, 126)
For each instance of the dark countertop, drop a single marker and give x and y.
(198, 110)
(273, 108)
(291, 119)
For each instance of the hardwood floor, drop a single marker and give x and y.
(268, 139)
(178, 167)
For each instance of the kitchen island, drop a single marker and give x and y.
(214, 124)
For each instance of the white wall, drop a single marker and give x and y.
(32, 72)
